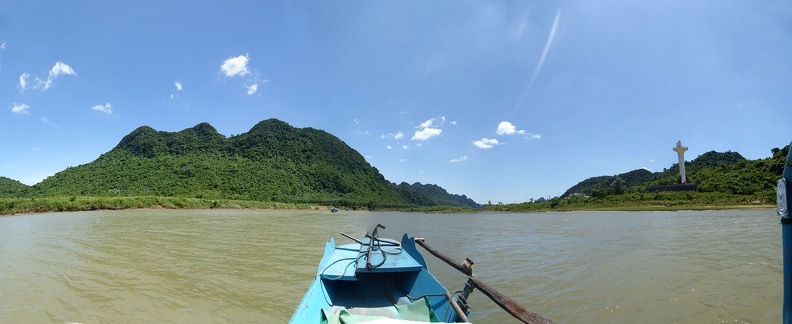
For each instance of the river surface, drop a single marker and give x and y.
(245, 266)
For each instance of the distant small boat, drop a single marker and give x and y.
(387, 281)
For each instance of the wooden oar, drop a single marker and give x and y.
(508, 304)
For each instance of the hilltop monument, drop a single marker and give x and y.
(681, 152)
(683, 185)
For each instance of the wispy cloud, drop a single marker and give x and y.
(45, 120)
(252, 88)
(2, 48)
(178, 85)
(20, 109)
(398, 135)
(57, 70)
(486, 143)
(234, 66)
(107, 108)
(460, 159)
(23, 81)
(542, 58)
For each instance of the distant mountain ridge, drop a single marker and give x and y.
(272, 161)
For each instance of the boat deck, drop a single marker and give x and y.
(347, 260)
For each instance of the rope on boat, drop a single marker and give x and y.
(354, 261)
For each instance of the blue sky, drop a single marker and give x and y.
(502, 101)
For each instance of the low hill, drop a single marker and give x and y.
(725, 172)
(11, 188)
(631, 179)
(272, 162)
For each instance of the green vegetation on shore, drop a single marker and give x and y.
(272, 163)
(276, 166)
(641, 201)
(10, 206)
(724, 181)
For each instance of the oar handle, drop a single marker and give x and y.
(468, 270)
(508, 304)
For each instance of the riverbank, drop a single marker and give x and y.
(16, 206)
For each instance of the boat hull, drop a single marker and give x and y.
(400, 286)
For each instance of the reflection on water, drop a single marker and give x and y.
(254, 266)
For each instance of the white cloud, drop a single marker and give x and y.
(107, 108)
(20, 109)
(402, 160)
(251, 89)
(234, 66)
(506, 128)
(426, 134)
(23, 81)
(460, 159)
(431, 122)
(178, 86)
(405, 147)
(453, 123)
(398, 135)
(3, 47)
(486, 143)
(427, 131)
(60, 68)
(389, 147)
(57, 70)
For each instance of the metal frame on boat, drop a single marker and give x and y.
(783, 208)
(381, 279)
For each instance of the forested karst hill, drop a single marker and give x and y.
(11, 188)
(273, 161)
(725, 172)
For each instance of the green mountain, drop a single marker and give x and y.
(432, 195)
(272, 162)
(11, 188)
(631, 179)
(727, 172)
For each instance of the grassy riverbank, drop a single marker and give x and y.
(662, 201)
(640, 201)
(10, 206)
